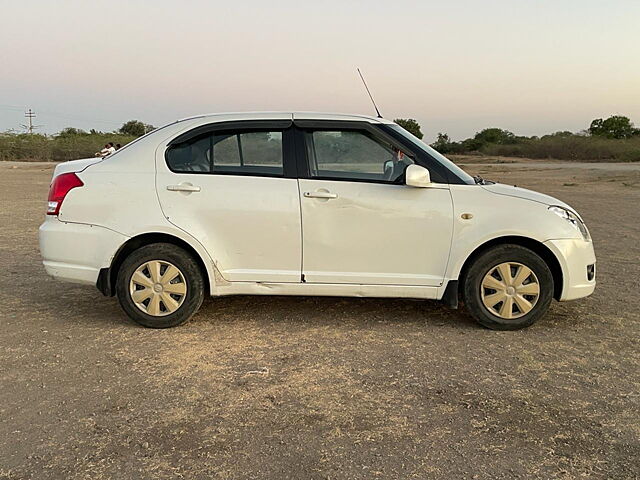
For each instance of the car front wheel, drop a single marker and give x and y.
(160, 286)
(508, 287)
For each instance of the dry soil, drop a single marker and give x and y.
(322, 388)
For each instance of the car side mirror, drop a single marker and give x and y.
(417, 176)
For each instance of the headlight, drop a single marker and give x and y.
(572, 218)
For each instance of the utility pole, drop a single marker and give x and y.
(30, 114)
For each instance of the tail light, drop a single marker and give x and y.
(61, 185)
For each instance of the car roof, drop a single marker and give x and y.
(234, 116)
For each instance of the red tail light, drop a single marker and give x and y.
(61, 185)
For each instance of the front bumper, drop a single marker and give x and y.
(75, 252)
(575, 257)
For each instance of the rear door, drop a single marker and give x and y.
(231, 186)
(361, 224)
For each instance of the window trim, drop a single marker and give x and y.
(289, 167)
(439, 173)
(426, 160)
(231, 125)
(313, 157)
(305, 126)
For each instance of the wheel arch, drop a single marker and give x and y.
(534, 245)
(108, 276)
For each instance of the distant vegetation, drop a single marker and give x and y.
(410, 125)
(68, 144)
(135, 128)
(612, 139)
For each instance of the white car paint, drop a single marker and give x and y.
(76, 252)
(232, 215)
(518, 192)
(351, 224)
(495, 216)
(572, 254)
(259, 235)
(75, 165)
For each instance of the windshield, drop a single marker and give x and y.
(435, 154)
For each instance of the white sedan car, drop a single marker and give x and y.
(307, 204)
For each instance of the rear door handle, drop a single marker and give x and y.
(320, 195)
(183, 187)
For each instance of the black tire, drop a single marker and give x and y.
(164, 252)
(472, 287)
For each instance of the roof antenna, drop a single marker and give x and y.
(370, 96)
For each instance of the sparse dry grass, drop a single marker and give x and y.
(277, 387)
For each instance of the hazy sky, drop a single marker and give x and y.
(456, 66)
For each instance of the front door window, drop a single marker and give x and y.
(354, 155)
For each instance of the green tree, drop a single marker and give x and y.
(559, 134)
(471, 145)
(615, 126)
(410, 125)
(495, 135)
(71, 131)
(442, 143)
(135, 128)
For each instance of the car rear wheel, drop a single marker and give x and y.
(160, 286)
(508, 287)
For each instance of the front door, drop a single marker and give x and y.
(228, 189)
(361, 224)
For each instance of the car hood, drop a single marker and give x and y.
(75, 165)
(509, 191)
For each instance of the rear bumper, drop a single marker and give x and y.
(75, 252)
(575, 256)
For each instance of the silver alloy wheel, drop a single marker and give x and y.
(510, 290)
(158, 288)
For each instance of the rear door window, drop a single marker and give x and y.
(233, 152)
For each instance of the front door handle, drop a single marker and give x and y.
(320, 195)
(183, 187)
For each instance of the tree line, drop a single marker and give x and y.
(614, 138)
(68, 144)
(132, 128)
(611, 139)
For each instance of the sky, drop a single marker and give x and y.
(456, 66)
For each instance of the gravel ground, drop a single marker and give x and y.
(322, 388)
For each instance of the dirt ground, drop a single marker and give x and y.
(322, 388)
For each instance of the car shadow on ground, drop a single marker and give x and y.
(331, 311)
(68, 302)
(80, 303)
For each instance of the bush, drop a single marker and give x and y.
(613, 139)
(574, 147)
(410, 125)
(495, 135)
(61, 147)
(135, 128)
